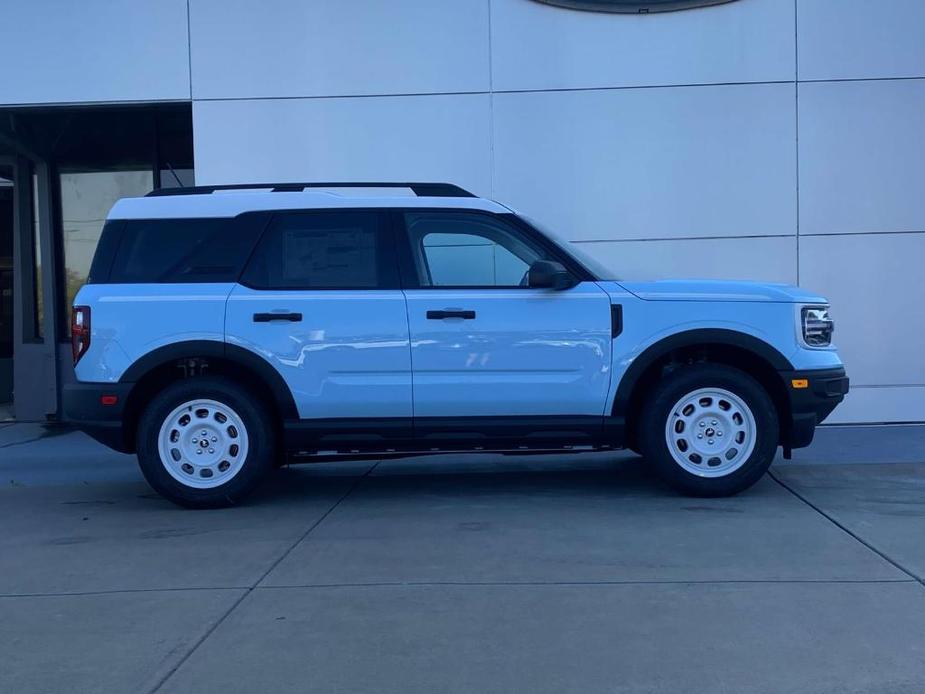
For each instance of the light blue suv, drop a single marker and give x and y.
(224, 329)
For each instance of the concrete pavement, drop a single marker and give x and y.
(467, 574)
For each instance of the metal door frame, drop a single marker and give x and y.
(35, 370)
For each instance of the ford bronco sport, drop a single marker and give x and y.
(224, 329)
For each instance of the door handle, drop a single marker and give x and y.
(451, 313)
(267, 317)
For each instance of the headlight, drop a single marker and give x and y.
(817, 326)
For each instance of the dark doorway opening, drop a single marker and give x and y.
(69, 165)
(6, 289)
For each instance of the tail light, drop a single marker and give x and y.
(80, 331)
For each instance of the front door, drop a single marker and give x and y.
(321, 301)
(486, 345)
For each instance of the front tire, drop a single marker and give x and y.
(709, 430)
(205, 442)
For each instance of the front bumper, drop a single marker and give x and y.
(83, 406)
(810, 405)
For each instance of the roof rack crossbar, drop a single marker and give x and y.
(422, 190)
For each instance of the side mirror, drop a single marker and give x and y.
(548, 274)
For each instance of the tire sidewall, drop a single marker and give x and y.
(261, 441)
(686, 380)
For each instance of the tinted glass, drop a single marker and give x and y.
(177, 178)
(38, 305)
(105, 252)
(462, 249)
(338, 249)
(178, 250)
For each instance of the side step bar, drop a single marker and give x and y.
(299, 457)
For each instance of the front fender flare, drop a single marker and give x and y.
(692, 338)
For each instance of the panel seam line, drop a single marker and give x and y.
(221, 620)
(846, 530)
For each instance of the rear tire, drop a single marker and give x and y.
(205, 442)
(709, 430)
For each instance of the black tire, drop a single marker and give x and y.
(254, 415)
(684, 380)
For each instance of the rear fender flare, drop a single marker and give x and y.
(212, 348)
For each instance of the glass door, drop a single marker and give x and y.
(86, 197)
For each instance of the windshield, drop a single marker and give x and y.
(594, 266)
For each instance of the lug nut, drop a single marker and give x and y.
(211, 450)
(204, 431)
(713, 423)
(195, 440)
(198, 451)
(719, 433)
(699, 436)
(702, 424)
(709, 440)
(214, 439)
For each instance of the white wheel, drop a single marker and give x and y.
(710, 432)
(203, 444)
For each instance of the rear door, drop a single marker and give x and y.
(320, 300)
(486, 345)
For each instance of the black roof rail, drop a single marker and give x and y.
(422, 190)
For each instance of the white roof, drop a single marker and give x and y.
(229, 203)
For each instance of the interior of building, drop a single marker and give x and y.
(6, 291)
(61, 169)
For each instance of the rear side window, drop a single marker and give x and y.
(181, 250)
(329, 249)
(105, 252)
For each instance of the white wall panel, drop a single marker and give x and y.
(426, 138)
(874, 282)
(887, 404)
(862, 156)
(536, 46)
(771, 259)
(242, 48)
(841, 39)
(650, 163)
(97, 50)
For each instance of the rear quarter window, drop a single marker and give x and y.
(178, 250)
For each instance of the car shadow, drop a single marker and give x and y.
(473, 475)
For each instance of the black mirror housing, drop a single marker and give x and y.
(548, 274)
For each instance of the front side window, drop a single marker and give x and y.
(331, 249)
(465, 249)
